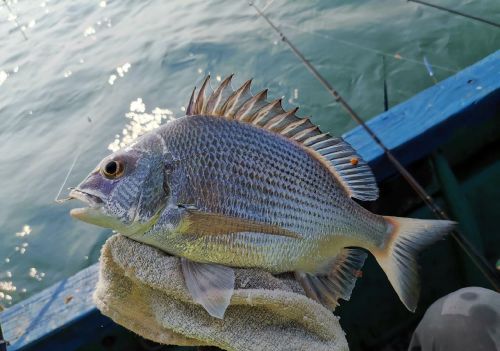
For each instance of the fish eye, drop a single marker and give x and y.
(112, 169)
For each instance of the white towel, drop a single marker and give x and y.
(142, 289)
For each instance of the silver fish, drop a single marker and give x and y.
(239, 182)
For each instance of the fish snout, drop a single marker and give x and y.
(92, 200)
(94, 212)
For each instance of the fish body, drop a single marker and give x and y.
(239, 182)
(238, 170)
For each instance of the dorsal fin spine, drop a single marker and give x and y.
(215, 99)
(335, 150)
(338, 156)
(268, 112)
(282, 117)
(326, 144)
(200, 100)
(317, 138)
(191, 109)
(295, 127)
(244, 113)
(307, 133)
(231, 104)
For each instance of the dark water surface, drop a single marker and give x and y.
(91, 71)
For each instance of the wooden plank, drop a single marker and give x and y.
(418, 126)
(39, 316)
(64, 314)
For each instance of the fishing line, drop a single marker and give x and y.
(75, 158)
(428, 67)
(477, 259)
(455, 12)
(77, 155)
(15, 19)
(396, 56)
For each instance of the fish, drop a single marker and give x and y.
(240, 182)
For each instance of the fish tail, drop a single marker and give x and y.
(405, 238)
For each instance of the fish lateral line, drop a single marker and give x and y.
(204, 223)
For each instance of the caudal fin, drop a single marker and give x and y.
(405, 239)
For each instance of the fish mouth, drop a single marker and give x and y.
(92, 200)
(94, 209)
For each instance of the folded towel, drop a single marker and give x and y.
(142, 289)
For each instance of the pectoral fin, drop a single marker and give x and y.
(210, 285)
(203, 223)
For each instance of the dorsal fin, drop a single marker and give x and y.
(339, 157)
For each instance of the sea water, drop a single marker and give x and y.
(93, 74)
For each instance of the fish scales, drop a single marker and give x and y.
(239, 170)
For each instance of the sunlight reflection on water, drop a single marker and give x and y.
(7, 285)
(121, 71)
(140, 123)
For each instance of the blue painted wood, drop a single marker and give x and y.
(90, 327)
(63, 316)
(418, 126)
(43, 314)
(3, 343)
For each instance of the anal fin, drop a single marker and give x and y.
(338, 280)
(210, 285)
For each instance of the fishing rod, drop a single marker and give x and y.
(480, 262)
(15, 19)
(386, 95)
(455, 12)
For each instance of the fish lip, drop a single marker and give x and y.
(92, 200)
